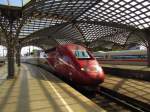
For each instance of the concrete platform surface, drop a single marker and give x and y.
(36, 90)
(137, 89)
(3, 73)
(130, 67)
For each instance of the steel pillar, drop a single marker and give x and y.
(10, 25)
(147, 36)
(10, 56)
(11, 51)
(148, 54)
(18, 51)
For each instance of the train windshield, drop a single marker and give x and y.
(81, 54)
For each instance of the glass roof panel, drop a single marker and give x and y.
(129, 12)
(18, 3)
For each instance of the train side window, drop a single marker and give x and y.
(66, 59)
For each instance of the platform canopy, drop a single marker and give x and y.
(104, 23)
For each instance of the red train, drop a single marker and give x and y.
(75, 63)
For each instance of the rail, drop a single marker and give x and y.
(124, 100)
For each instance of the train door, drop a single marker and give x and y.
(65, 64)
(59, 63)
(69, 68)
(72, 70)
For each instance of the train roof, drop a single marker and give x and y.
(119, 51)
(122, 51)
(73, 46)
(127, 51)
(100, 52)
(68, 46)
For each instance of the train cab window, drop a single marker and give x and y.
(82, 54)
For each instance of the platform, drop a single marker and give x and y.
(136, 89)
(36, 90)
(128, 71)
(3, 72)
(128, 67)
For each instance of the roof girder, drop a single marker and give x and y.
(38, 16)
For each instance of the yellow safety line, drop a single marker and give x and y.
(57, 93)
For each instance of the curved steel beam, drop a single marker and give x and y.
(109, 24)
(45, 32)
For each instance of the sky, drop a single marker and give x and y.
(14, 2)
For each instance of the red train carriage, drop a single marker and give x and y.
(75, 63)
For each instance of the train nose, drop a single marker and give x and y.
(95, 73)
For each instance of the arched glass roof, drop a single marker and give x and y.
(94, 22)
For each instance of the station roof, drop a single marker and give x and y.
(104, 23)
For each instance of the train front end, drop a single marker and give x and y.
(91, 73)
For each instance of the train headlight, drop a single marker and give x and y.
(91, 69)
(99, 69)
(83, 69)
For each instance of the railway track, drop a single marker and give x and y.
(108, 101)
(108, 104)
(112, 101)
(126, 102)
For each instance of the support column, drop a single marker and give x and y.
(147, 36)
(18, 50)
(10, 25)
(148, 54)
(11, 51)
(10, 56)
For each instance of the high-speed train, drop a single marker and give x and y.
(73, 62)
(127, 57)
